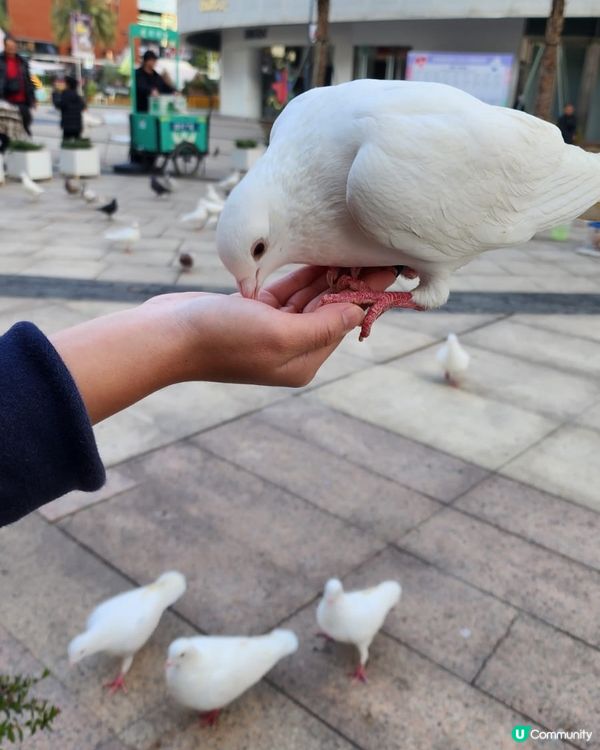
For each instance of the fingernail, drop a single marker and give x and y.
(353, 316)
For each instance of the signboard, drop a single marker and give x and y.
(158, 6)
(81, 35)
(487, 76)
(210, 6)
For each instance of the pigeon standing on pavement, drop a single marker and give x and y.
(30, 187)
(454, 359)
(186, 261)
(122, 625)
(198, 217)
(72, 186)
(124, 236)
(110, 208)
(206, 673)
(88, 195)
(158, 187)
(356, 616)
(387, 173)
(228, 183)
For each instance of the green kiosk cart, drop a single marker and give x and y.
(167, 132)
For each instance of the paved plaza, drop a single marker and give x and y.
(483, 501)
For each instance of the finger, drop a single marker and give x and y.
(322, 328)
(298, 301)
(283, 288)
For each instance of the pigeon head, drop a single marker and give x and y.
(80, 647)
(181, 653)
(172, 583)
(249, 240)
(333, 590)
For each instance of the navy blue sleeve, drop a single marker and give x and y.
(47, 445)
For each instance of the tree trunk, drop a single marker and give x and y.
(547, 80)
(321, 44)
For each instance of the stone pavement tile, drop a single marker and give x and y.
(61, 268)
(262, 718)
(504, 282)
(202, 276)
(252, 552)
(410, 464)
(129, 433)
(129, 272)
(59, 583)
(565, 463)
(117, 481)
(73, 729)
(94, 308)
(528, 385)
(141, 257)
(71, 251)
(448, 621)
(549, 676)
(586, 326)
(13, 264)
(590, 417)
(47, 316)
(569, 284)
(19, 303)
(366, 500)
(337, 366)
(564, 527)
(385, 342)
(559, 591)
(438, 324)
(485, 432)
(550, 348)
(408, 704)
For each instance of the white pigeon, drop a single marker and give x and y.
(206, 673)
(122, 625)
(356, 616)
(124, 236)
(88, 195)
(199, 216)
(228, 183)
(213, 196)
(415, 175)
(454, 359)
(34, 190)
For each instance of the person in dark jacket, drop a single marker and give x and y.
(148, 82)
(53, 390)
(71, 107)
(567, 123)
(16, 86)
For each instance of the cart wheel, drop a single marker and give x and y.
(186, 159)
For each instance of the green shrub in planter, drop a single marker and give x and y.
(75, 143)
(24, 146)
(246, 144)
(20, 713)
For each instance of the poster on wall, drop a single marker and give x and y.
(489, 77)
(81, 35)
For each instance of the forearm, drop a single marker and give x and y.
(119, 359)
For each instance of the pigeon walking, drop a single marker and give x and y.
(158, 187)
(186, 261)
(30, 186)
(72, 186)
(110, 209)
(124, 236)
(454, 359)
(88, 195)
(228, 183)
(356, 616)
(399, 173)
(121, 626)
(206, 673)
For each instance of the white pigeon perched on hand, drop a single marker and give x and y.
(356, 616)
(122, 625)
(206, 673)
(124, 236)
(418, 176)
(29, 185)
(454, 359)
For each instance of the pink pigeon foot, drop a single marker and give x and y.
(210, 718)
(359, 675)
(359, 293)
(117, 684)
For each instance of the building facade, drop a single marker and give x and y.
(265, 47)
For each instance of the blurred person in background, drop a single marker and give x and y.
(567, 123)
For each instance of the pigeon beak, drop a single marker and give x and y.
(248, 287)
(168, 664)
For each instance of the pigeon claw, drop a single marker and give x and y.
(210, 718)
(117, 684)
(359, 675)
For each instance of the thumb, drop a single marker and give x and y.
(326, 325)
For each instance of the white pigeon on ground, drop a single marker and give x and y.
(418, 176)
(198, 217)
(88, 195)
(228, 183)
(206, 673)
(126, 237)
(30, 186)
(213, 196)
(122, 625)
(356, 616)
(454, 359)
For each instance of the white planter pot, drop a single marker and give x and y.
(245, 158)
(37, 165)
(80, 162)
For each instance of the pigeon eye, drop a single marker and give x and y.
(258, 250)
